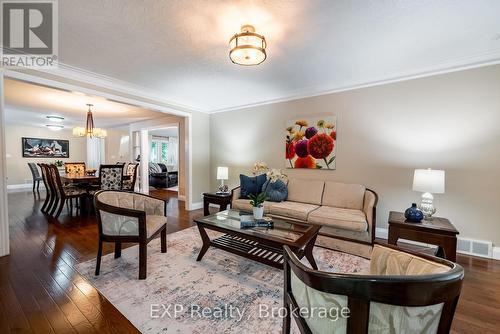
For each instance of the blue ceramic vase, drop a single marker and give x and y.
(414, 214)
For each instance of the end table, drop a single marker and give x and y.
(215, 198)
(437, 231)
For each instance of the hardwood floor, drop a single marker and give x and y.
(40, 291)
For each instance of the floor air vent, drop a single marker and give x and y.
(475, 247)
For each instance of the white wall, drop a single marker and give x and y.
(449, 122)
(17, 166)
(4, 217)
(117, 146)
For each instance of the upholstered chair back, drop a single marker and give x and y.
(111, 177)
(403, 293)
(120, 212)
(131, 168)
(74, 167)
(46, 177)
(34, 170)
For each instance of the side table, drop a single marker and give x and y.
(437, 231)
(215, 198)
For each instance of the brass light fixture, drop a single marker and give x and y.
(247, 47)
(89, 130)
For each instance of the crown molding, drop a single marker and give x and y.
(83, 76)
(459, 64)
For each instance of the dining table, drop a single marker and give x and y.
(84, 180)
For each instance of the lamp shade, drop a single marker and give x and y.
(428, 181)
(222, 173)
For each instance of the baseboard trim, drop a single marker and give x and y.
(496, 253)
(383, 233)
(196, 206)
(22, 186)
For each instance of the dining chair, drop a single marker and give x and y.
(46, 207)
(75, 167)
(35, 175)
(403, 292)
(130, 217)
(111, 177)
(63, 193)
(131, 170)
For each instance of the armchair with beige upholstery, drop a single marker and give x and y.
(404, 292)
(130, 217)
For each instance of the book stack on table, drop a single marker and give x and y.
(248, 221)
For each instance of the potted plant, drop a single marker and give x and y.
(60, 165)
(256, 202)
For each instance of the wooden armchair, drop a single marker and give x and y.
(404, 292)
(130, 217)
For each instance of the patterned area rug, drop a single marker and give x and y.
(223, 293)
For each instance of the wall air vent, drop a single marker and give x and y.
(475, 247)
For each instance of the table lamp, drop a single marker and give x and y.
(428, 181)
(222, 174)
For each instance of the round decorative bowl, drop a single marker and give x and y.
(90, 172)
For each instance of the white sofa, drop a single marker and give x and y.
(346, 212)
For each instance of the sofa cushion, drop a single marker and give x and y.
(251, 185)
(243, 204)
(348, 219)
(294, 210)
(305, 191)
(344, 195)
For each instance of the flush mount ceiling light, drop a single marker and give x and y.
(247, 47)
(55, 119)
(89, 130)
(55, 127)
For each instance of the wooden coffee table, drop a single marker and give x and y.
(261, 244)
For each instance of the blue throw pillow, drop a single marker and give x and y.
(275, 191)
(251, 184)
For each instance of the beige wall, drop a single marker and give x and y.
(449, 122)
(201, 155)
(17, 168)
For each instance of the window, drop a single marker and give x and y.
(164, 150)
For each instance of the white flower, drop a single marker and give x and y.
(260, 168)
(275, 174)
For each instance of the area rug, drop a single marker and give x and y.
(223, 293)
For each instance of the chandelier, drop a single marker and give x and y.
(247, 47)
(89, 130)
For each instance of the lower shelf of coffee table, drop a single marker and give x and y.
(250, 249)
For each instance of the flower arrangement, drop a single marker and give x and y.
(273, 174)
(260, 168)
(311, 143)
(59, 163)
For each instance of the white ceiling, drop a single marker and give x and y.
(29, 104)
(180, 48)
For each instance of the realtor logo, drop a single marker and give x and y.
(29, 33)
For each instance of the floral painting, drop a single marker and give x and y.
(310, 143)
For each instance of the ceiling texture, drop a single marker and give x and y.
(179, 49)
(44, 101)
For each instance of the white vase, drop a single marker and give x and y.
(258, 213)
